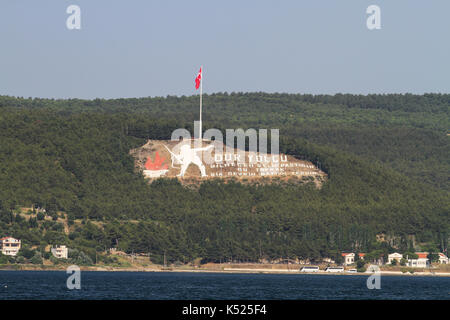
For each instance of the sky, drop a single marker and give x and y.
(141, 48)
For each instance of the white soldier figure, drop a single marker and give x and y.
(187, 156)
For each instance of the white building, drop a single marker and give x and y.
(349, 258)
(394, 256)
(10, 246)
(421, 262)
(443, 259)
(60, 252)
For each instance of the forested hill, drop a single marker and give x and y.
(387, 157)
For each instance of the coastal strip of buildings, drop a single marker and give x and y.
(10, 246)
(422, 260)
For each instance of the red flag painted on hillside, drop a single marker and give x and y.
(157, 164)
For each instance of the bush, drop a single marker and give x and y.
(26, 253)
(54, 260)
(108, 259)
(37, 259)
(40, 216)
(47, 255)
(405, 270)
(360, 264)
(79, 257)
(73, 235)
(363, 269)
(3, 259)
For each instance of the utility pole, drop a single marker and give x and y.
(260, 253)
(164, 258)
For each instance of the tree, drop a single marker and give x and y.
(433, 257)
(26, 253)
(3, 259)
(360, 265)
(410, 255)
(36, 259)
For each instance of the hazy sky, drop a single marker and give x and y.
(142, 48)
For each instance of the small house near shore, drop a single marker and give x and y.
(10, 246)
(421, 262)
(349, 258)
(394, 256)
(60, 252)
(443, 259)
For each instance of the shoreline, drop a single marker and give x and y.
(225, 270)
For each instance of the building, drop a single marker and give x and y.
(361, 256)
(421, 262)
(349, 258)
(394, 256)
(60, 252)
(443, 259)
(10, 246)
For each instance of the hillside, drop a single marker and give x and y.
(386, 157)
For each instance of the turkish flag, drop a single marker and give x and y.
(198, 79)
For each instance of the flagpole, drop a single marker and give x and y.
(201, 82)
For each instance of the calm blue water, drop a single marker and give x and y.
(173, 285)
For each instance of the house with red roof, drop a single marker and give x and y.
(443, 259)
(349, 258)
(422, 260)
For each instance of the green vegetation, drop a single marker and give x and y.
(387, 157)
(361, 265)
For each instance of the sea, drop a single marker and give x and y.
(97, 285)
